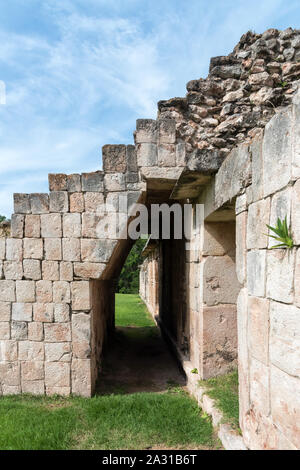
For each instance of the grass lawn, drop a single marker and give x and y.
(114, 420)
(225, 391)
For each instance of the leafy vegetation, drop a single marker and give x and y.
(129, 277)
(224, 389)
(2, 218)
(131, 311)
(283, 235)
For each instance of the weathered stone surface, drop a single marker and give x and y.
(166, 155)
(76, 202)
(114, 158)
(259, 387)
(57, 374)
(31, 351)
(81, 377)
(131, 159)
(53, 251)
(114, 182)
(295, 212)
(22, 312)
(219, 280)
(92, 181)
(89, 270)
(167, 131)
(43, 312)
(58, 352)
(7, 291)
(22, 203)
(280, 208)
(35, 331)
(241, 249)
(32, 226)
(57, 182)
(97, 250)
(4, 330)
(8, 351)
(72, 225)
(44, 291)
(57, 332)
(5, 310)
(80, 295)
(280, 271)
(71, 249)
(59, 201)
(2, 248)
(10, 373)
(258, 218)
(61, 292)
(256, 272)
(33, 248)
(94, 202)
(61, 313)
(32, 370)
(81, 335)
(258, 310)
(32, 269)
(285, 338)
(25, 291)
(146, 131)
(50, 270)
(14, 250)
(35, 387)
(39, 203)
(73, 183)
(18, 330)
(17, 225)
(66, 271)
(13, 270)
(147, 154)
(51, 226)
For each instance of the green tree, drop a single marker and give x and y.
(2, 218)
(129, 277)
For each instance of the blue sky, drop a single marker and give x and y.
(79, 73)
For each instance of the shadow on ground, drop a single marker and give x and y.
(138, 360)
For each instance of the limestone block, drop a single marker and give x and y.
(131, 158)
(13, 270)
(74, 183)
(35, 331)
(22, 203)
(296, 136)
(180, 153)
(258, 218)
(58, 352)
(241, 203)
(31, 351)
(114, 182)
(76, 202)
(285, 404)
(280, 207)
(1, 270)
(51, 226)
(257, 167)
(285, 337)
(166, 155)
(57, 374)
(296, 212)
(72, 225)
(97, 250)
(44, 291)
(277, 152)
(32, 226)
(94, 202)
(89, 270)
(50, 269)
(59, 201)
(71, 249)
(297, 279)
(147, 155)
(61, 292)
(220, 284)
(32, 269)
(35, 387)
(8, 351)
(14, 249)
(2, 248)
(43, 312)
(25, 291)
(61, 313)
(22, 312)
(258, 311)
(81, 377)
(57, 182)
(92, 182)
(57, 332)
(167, 131)
(17, 225)
(259, 387)
(91, 224)
(53, 251)
(7, 291)
(219, 238)
(157, 172)
(61, 391)
(114, 158)
(80, 295)
(39, 203)
(146, 131)
(66, 271)
(19, 330)
(256, 272)
(5, 310)
(280, 275)
(81, 335)
(10, 373)
(241, 251)
(33, 248)
(4, 330)
(32, 370)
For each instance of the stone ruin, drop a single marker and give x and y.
(232, 144)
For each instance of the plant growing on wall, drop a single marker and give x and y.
(283, 235)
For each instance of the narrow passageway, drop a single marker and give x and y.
(137, 359)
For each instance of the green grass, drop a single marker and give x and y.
(224, 390)
(131, 311)
(135, 421)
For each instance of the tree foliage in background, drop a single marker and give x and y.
(2, 218)
(129, 277)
